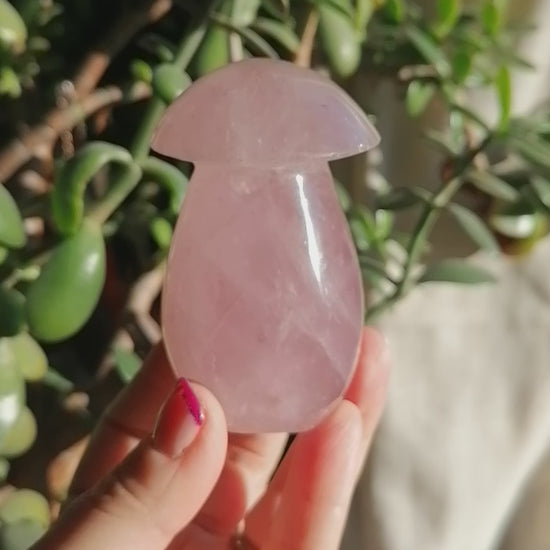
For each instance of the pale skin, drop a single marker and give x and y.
(131, 494)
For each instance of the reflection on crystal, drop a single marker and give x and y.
(315, 256)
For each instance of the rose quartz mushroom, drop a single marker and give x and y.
(263, 299)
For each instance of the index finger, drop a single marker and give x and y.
(250, 460)
(128, 419)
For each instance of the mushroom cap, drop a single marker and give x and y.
(262, 112)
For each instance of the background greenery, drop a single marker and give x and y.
(86, 213)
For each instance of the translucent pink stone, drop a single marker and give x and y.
(263, 299)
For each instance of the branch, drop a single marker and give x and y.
(423, 228)
(43, 136)
(123, 30)
(87, 77)
(138, 327)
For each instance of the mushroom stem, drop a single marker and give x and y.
(263, 293)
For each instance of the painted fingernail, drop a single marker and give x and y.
(179, 420)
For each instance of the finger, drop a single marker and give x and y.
(129, 418)
(251, 459)
(250, 463)
(314, 501)
(367, 391)
(155, 492)
(369, 385)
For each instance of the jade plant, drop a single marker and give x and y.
(87, 210)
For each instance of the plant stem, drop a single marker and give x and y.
(53, 379)
(307, 42)
(129, 177)
(188, 46)
(423, 228)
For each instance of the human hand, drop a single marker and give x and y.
(185, 484)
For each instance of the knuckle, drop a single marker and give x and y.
(126, 499)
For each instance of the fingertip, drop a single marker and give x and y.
(375, 345)
(214, 422)
(373, 369)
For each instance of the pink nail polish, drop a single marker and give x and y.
(190, 399)
(179, 420)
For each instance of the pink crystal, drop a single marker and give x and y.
(263, 299)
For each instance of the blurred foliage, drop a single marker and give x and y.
(87, 213)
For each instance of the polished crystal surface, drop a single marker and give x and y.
(263, 112)
(263, 299)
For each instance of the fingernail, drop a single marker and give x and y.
(179, 420)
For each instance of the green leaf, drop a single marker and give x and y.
(343, 196)
(343, 6)
(277, 8)
(20, 436)
(490, 17)
(457, 129)
(161, 231)
(475, 228)
(213, 52)
(25, 504)
(340, 41)
(4, 469)
(532, 149)
(12, 389)
(510, 58)
(277, 31)
(448, 12)
(158, 46)
(170, 178)
(541, 187)
(429, 49)
(127, 364)
(530, 194)
(258, 44)
(30, 357)
(397, 199)
(419, 95)
(504, 93)
(12, 231)
(12, 312)
(492, 185)
(363, 227)
(518, 221)
(361, 236)
(363, 13)
(169, 81)
(9, 83)
(253, 40)
(372, 265)
(38, 44)
(55, 380)
(244, 12)
(13, 32)
(442, 142)
(20, 535)
(394, 11)
(70, 186)
(3, 254)
(66, 293)
(456, 271)
(462, 65)
(469, 114)
(141, 71)
(384, 223)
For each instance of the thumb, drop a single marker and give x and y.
(160, 486)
